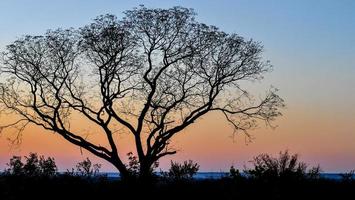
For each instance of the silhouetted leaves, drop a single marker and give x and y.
(348, 176)
(234, 173)
(285, 167)
(34, 166)
(14, 184)
(87, 168)
(133, 164)
(15, 166)
(184, 171)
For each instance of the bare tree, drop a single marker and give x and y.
(153, 73)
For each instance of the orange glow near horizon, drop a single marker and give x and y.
(319, 139)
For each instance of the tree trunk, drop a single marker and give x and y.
(124, 173)
(145, 173)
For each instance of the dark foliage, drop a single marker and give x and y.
(348, 176)
(234, 173)
(15, 166)
(286, 167)
(179, 172)
(133, 164)
(85, 169)
(19, 182)
(33, 167)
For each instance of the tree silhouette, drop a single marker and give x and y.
(152, 73)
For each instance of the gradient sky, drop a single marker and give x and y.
(311, 44)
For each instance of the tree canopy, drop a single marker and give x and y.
(153, 73)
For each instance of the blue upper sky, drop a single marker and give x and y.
(311, 40)
(318, 33)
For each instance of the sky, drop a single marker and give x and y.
(310, 43)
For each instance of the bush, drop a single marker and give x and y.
(348, 176)
(234, 173)
(286, 167)
(15, 166)
(47, 166)
(86, 168)
(314, 172)
(184, 171)
(133, 164)
(34, 166)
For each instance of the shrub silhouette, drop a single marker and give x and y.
(348, 176)
(179, 184)
(133, 164)
(314, 172)
(15, 166)
(34, 166)
(286, 167)
(234, 173)
(184, 171)
(86, 168)
(47, 166)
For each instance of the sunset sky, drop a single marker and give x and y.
(310, 43)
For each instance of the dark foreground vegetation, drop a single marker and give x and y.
(269, 178)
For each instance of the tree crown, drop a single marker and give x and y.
(154, 72)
